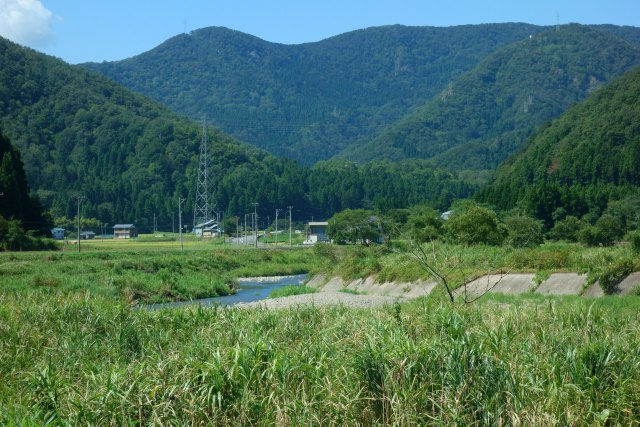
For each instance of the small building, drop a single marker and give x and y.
(124, 231)
(58, 233)
(87, 235)
(317, 232)
(207, 229)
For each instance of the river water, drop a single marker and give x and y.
(248, 291)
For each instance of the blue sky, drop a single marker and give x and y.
(85, 30)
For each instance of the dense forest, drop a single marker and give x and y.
(584, 163)
(312, 101)
(81, 134)
(308, 101)
(487, 114)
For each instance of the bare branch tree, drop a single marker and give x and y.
(429, 263)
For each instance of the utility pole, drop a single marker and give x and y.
(255, 215)
(180, 200)
(80, 199)
(244, 239)
(277, 212)
(290, 241)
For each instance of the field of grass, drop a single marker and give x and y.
(145, 272)
(73, 350)
(81, 359)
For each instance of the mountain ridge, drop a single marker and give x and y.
(308, 101)
(488, 113)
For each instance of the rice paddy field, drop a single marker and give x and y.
(75, 351)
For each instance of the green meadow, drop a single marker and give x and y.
(75, 349)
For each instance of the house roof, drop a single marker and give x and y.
(210, 223)
(87, 233)
(316, 223)
(56, 229)
(123, 226)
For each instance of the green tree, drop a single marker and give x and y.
(523, 231)
(567, 229)
(473, 224)
(424, 224)
(355, 226)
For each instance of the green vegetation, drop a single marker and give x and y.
(80, 360)
(584, 165)
(308, 102)
(131, 158)
(289, 290)
(462, 263)
(138, 274)
(18, 209)
(487, 114)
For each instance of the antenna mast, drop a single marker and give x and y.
(202, 208)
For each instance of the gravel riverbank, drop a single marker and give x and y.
(322, 298)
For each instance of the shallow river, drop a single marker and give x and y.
(248, 291)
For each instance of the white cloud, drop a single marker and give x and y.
(26, 22)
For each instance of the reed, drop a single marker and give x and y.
(82, 359)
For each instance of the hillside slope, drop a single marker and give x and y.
(80, 133)
(309, 101)
(580, 161)
(487, 114)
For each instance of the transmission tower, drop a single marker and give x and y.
(202, 208)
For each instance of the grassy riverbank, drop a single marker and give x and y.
(458, 262)
(92, 360)
(147, 274)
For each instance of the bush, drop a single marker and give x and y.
(634, 239)
(425, 225)
(616, 274)
(605, 233)
(523, 231)
(567, 229)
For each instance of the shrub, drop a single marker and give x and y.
(523, 231)
(634, 239)
(567, 229)
(616, 274)
(605, 232)
(425, 225)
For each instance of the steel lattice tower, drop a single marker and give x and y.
(202, 208)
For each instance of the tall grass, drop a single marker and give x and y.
(147, 276)
(89, 360)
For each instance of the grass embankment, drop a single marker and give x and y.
(147, 276)
(290, 290)
(531, 361)
(460, 263)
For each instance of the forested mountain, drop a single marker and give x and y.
(581, 161)
(487, 114)
(15, 199)
(80, 133)
(310, 101)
